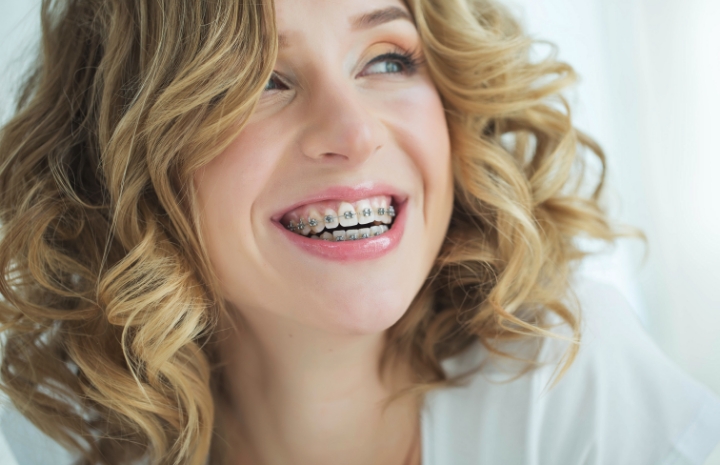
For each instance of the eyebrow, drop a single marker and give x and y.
(366, 21)
(378, 17)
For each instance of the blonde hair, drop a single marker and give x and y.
(109, 300)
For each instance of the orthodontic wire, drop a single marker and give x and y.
(329, 218)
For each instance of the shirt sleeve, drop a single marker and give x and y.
(622, 401)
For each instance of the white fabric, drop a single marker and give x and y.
(21, 443)
(622, 402)
(6, 455)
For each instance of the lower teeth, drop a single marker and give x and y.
(341, 235)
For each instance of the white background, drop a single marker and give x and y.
(649, 93)
(650, 71)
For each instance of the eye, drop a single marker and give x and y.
(385, 67)
(392, 63)
(274, 83)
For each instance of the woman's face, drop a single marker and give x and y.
(350, 128)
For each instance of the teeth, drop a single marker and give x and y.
(364, 212)
(347, 215)
(315, 221)
(382, 212)
(339, 236)
(370, 216)
(331, 219)
(303, 228)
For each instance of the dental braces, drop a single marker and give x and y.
(353, 237)
(312, 222)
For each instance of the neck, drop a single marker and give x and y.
(300, 395)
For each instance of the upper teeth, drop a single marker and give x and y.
(363, 212)
(330, 220)
(347, 215)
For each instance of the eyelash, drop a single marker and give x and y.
(409, 60)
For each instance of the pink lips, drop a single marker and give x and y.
(363, 249)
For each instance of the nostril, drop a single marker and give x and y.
(333, 156)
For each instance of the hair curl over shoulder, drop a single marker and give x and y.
(109, 300)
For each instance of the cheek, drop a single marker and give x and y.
(422, 122)
(227, 189)
(419, 118)
(240, 172)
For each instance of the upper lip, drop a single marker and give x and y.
(347, 194)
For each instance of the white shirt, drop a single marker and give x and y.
(622, 402)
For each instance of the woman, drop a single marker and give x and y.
(316, 232)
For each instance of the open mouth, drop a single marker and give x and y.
(339, 221)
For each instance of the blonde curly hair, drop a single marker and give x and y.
(110, 304)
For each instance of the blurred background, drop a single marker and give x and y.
(649, 93)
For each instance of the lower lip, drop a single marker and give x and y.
(362, 249)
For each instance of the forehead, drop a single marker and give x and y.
(295, 18)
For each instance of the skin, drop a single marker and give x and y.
(302, 350)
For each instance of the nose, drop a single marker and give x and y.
(341, 126)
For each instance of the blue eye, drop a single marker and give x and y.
(392, 63)
(389, 67)
(398, 62)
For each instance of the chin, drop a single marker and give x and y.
(368, 316)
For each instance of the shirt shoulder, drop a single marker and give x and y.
(622, 401)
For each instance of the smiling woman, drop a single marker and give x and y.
(316, 232)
